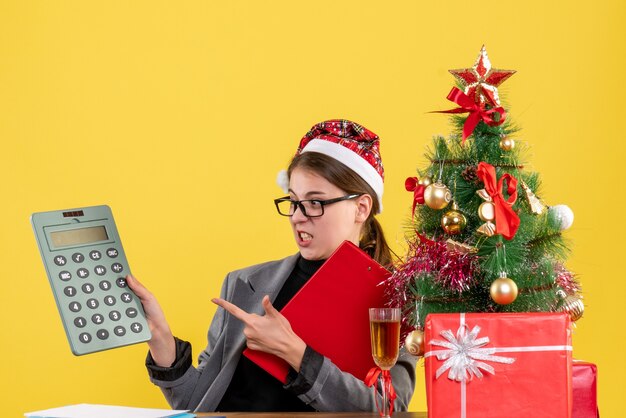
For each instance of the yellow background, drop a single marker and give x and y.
(179, 114)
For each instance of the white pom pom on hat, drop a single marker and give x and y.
(282, 179)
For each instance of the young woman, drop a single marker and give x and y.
(335, 189)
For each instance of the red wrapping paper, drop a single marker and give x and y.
(584, 390)
(538, 383)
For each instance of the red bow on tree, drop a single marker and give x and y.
(477, 111)
(370, 380)
(411, 185)
(507, 220)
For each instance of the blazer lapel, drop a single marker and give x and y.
(248, 294)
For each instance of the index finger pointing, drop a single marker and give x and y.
(234, 310)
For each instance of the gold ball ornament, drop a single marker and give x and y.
(414, 343)
(425, 181)
(573, 305)
(507, 144)
(453, 222)
(437, 196)
(503, 290)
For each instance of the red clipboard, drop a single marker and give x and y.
(330, 313)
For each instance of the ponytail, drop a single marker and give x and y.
(373, 242)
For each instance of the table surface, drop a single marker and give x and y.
(310, 414)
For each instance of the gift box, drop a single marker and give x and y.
(584, 390)
(513, 365)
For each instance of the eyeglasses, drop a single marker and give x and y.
(312, 208)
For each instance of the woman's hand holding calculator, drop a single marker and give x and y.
(162, 345)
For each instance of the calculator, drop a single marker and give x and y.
(86, 266)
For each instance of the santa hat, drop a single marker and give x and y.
(351, 144)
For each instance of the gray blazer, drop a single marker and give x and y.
(202, 388)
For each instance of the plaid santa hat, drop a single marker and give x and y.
(349, 143)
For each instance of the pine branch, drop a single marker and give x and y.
(543, 239)
(469, 162)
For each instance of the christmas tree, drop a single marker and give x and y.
(480, 238)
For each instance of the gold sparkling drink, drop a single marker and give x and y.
(385, 339)
(385, 335)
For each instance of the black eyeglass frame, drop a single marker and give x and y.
(322, 203)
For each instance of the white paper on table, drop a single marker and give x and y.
(103, 411)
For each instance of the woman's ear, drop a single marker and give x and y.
(364, 207)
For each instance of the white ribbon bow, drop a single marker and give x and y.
(462, 354)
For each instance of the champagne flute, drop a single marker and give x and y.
(385, 338)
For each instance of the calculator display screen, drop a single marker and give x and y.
(78, 236)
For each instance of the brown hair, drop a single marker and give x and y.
(372, 239)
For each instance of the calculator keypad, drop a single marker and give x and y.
(94, 283)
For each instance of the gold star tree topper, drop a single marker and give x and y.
(481, 81)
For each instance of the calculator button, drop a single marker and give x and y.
(97, 318)
(103, 334)
(92, 303)
(114, 315)
(82, 272)
(80, 322)
(70, 291)
(126, 297)
(59, 260)
(78, 257)
(131, 312)
(117, 267)
(65, 275)
(105, 285)
(100, 270)
(75, 307)
(84, 337)
(87, 288)
(121, 282)
(119, 331)
(136, 327)
(109, 300)
(95, 255)
(112, 252)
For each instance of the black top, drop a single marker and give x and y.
(252, 388)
